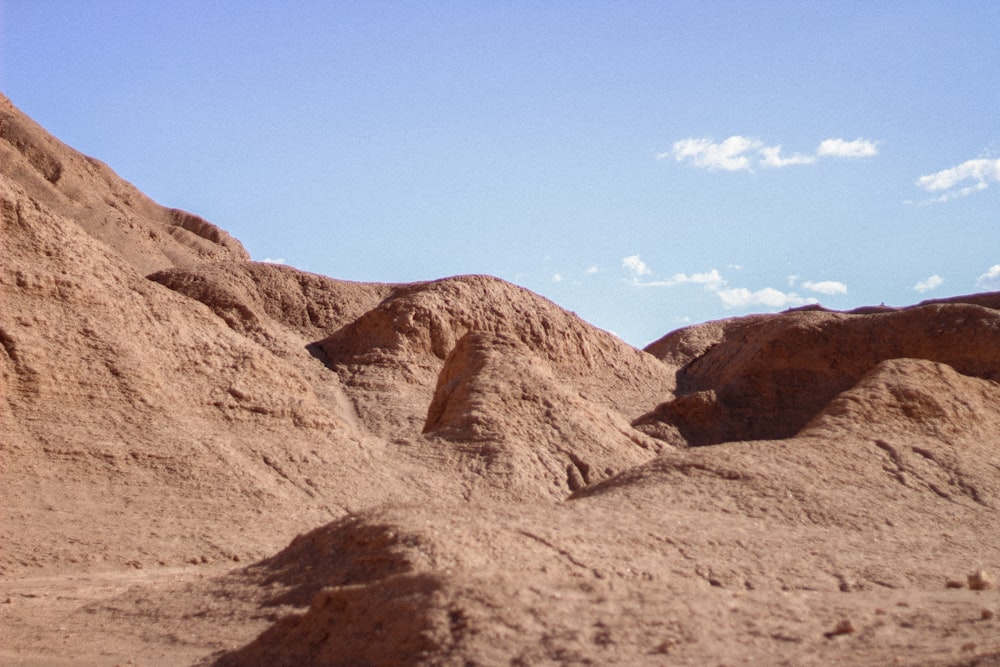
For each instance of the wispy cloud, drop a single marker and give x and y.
(978, 174)
(591, 270)
(734, 297)
(712, 280)
(991, 279)
(772, 158)
(931, 283)
(271, 260)
(741, 297)
(741, 153)
(825, 287)
(849, 149)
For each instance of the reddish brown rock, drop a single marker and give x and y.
(767, 376)
(53, 176)
(390, 357)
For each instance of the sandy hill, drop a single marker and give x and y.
(211, 460)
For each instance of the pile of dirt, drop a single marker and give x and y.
(766, 377)
(139, 428)
(67, 183)
(207, 459)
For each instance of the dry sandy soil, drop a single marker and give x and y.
(207, 460)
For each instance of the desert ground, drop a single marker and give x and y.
(208, 460)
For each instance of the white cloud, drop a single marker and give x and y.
(730, 155)
(741, 297)
(825, 287)
(270, 260)
(636, 266)
(736, 297)
(591, 270)
(738, 153)
(841, 148)
(981, 172)
(773, 159)
(990, 279)
(556, 278)
(931, 283)
(712, 280)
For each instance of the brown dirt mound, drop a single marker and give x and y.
(111, 210)
(138, 428)
(766, 377)
(390, 357)
(118, 392)
(710, 554)
(500, 409)
(259, 300)
(683, 558)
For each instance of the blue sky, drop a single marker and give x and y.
(645, 165)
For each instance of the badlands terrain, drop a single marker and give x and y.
(208, 460)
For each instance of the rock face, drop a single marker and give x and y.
(102, 205)
(766, 377)
(264, 466)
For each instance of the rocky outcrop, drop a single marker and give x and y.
(389, 358)
(766, 377)
(503, 409)
(65, 182)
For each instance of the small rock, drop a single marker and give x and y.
(666, 645)
(844, 627)
(954, 583)
(969, 646)
(982, 581)
(986, 614)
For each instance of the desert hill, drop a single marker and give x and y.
(211, 460)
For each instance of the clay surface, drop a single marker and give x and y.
(207, 460)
